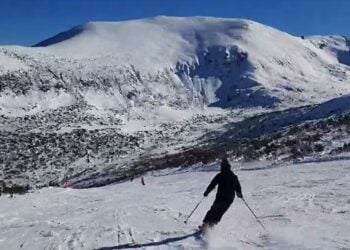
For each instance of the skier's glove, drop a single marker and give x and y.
(240, 195)
(205, 194)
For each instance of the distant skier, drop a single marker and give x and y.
(228, 185)
(66, 184)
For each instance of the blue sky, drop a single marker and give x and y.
(27, 22)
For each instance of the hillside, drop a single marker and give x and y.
(105, 101)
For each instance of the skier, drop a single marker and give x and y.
(228, 185)
(66, 184)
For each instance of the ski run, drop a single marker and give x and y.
(303, 206)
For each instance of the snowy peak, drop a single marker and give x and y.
(181, 63)
(114, 32)
(161, 40)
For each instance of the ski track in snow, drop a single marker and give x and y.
(304, 206)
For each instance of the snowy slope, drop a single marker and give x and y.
(337, 45)
(303, 206)
(178, 62)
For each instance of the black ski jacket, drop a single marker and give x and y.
(228, 184)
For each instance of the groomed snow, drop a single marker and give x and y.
(304, 206)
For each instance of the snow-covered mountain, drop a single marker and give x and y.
(107, 102)
(177, 62)
(101, 100)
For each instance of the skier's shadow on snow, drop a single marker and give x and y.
(197, 235)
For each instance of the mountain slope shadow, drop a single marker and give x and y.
(60, 37)
(344, 56)
(150, 244)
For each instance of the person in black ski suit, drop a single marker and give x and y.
(228, 185)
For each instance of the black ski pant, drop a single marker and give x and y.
(216, 211)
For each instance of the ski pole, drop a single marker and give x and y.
(194, 210)
(256, 217)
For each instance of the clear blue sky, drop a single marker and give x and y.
(27, 22)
